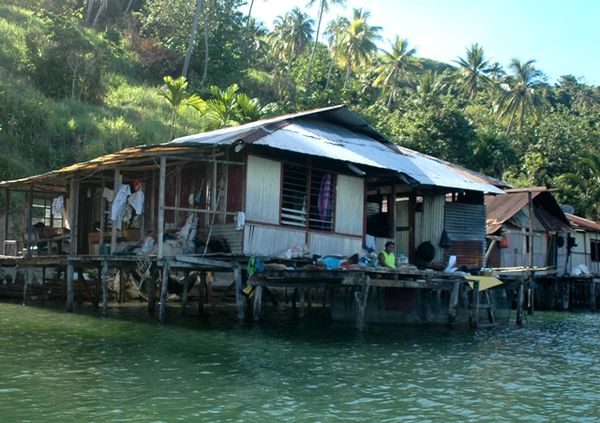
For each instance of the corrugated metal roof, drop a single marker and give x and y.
(580, 222)
(501, 209)
(354, 142)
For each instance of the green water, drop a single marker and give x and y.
(60, 367)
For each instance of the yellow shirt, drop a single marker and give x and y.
(389, 259)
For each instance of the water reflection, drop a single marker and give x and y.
(80, 367)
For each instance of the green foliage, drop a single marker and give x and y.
(75, 58)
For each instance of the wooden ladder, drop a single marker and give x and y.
(485, 302)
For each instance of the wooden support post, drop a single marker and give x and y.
(239, 295)
(361, 303)
(26, 278)
(453, 303)
(468, 304)
(475, 294)
(113, 236)
(593, 295)
(161, 205)
(257, 302)
(531, 232)
(70, 286)
(490, 309)
(6, 218)
(302, 291)
(520, 301)
(104, 280)
(29, 200)
(151, 286)
(164, 291)
(202, 292)
(44, 293)
(102, 218)
(184, 293)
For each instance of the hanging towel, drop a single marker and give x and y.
(120, 202)
(136, 200)
(240, 220)
(58, 205)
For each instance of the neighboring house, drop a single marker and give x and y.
(526, 228)
(586, 249)
(322, 178)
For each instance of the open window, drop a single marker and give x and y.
(307, 198)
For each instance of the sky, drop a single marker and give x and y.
(563, 37)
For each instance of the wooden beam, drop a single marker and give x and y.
(116, 188)
(6, 218)
(161, 205)
(239, 296)
(29, 201)
(531, 231)
(104, 279)
(220, 264)
(257, 303)
(164, 291)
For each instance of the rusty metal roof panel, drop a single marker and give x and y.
(501, 209)
(581, 223)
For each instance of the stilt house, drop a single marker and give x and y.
(527, 228)
(322, 179)
(586, 245)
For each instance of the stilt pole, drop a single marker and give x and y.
(257, 302)
(239, 296)
(104, 279)
(164, 291)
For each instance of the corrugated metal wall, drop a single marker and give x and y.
(268, 240)
(465, 225)
(349, 205)
(323, 244)
(263, 186)
(429, 223)
(227, 232)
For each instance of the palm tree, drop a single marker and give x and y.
(358, 42)
(175, 92)
(394, 66)
(521, 94)
(323, 7)
(472, 70)
(334, 33)
(496, 72)
(585, 184)
(431, 87)
(290, 35)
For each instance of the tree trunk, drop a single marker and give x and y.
(347, 75)
(190, 49)
(329, 71)
(88, 12)
(314, 49)
(206, 58)
(101, 10)
(249, 12)
(128, 8)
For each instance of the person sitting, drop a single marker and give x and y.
(387, 257)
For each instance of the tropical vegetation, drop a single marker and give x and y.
(79, 78)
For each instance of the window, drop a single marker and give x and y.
(307, 198)
(42, 212)
(595, 249)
